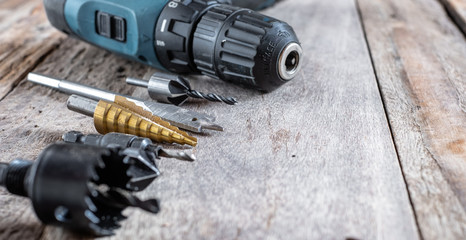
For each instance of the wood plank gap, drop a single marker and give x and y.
(312, 160)
(388, 119)
(423, 92)
(456, 10)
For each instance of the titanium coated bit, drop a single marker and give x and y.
(80, 187)
(126, 117)
(174, 89)
(179, 117)
(125, 141)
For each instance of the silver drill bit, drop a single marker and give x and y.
(174, 89)
(179, 117)
(177, 154)
(125, 141)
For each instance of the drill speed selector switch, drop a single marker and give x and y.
(187, 36)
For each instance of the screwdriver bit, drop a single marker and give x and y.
(80, 187)
(125, 141)
(127, 117)
(179, 117)
(174, 89)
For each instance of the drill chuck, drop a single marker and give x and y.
(219, 40)
(229, 43)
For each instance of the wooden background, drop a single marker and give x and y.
(369, 141)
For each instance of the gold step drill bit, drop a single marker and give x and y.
(179, 117)
(124, 116)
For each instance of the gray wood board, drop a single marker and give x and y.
(25, 37)
(419, 57)
(314, 159)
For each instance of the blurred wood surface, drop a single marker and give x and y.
(366, 143)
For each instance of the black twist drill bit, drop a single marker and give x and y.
(211, 97)
(81, 187)
(174, 89)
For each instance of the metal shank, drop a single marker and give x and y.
(73, 88)
(179, 117)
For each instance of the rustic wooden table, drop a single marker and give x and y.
(369, 141)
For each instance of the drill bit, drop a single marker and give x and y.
(126, 141)
(179, 117)
(174, 89)
(211, 97)
(126, 117)
(81, 187)
(177, 154)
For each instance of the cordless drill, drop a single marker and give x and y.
(187, 36)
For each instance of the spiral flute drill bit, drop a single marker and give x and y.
(174, 89)
(81, 187)
(211, 97)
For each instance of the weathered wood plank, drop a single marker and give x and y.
(20, 8)
(37, 116)
(312, 160)
(457, 10)
(26, 37)
(419, 60)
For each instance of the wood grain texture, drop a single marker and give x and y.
(457, 10)
(312, 160)
(26, 37)
(20, 8)
(418, 55)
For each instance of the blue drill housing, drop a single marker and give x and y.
(207, 37)
(140, 17)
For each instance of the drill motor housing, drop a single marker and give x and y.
(186, 36)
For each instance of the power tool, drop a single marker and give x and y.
(251, 4)
(187, 36)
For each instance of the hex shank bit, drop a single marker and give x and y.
(180, 117)
(125, 141)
